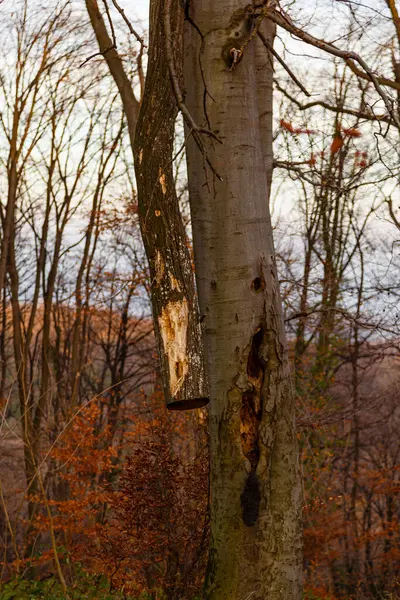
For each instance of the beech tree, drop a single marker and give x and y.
(255, 490)
(72, 277)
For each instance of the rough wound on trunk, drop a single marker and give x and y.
(175, 305)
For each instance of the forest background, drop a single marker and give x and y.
(103, 492)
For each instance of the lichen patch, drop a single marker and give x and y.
(173, 323)
(159, 267)
(162, 181)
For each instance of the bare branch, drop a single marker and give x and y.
(195, 130)
(350, 57)
(129, 24)
(89, 58)
(110, 23)
(391, 211)
(367, 116)
(271, 49)
(114, 62)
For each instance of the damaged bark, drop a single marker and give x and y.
(256, 547)
(151, 130)
(174, 299)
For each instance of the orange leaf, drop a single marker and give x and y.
(336, 144)
(306, 131)
(352, 132)
(286, 125)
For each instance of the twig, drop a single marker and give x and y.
(53, 539)
(129, 24)
(280, 60)
(97, 54)
(114, 41)
(389, 202)
(291, 166)
(201, 52)
(350, 57)
(367, 116)
(195, 130)
(140, 72)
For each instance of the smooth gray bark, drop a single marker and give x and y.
(256, 541)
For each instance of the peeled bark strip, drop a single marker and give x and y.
(175, 306)
(256, 540)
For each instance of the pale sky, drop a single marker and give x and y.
(136, 8)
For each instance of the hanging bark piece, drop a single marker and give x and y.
(174, 299)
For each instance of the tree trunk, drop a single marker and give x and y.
(174, 300)
(175, 305)
(255, 484)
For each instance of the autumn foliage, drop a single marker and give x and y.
(158, 527)
(144, 523)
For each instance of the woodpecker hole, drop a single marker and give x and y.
(258, 284)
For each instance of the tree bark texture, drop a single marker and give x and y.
(174, 298)
(256, 496)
